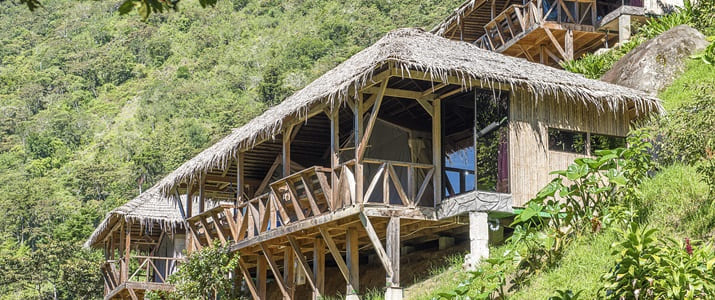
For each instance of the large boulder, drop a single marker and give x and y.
(654, 64)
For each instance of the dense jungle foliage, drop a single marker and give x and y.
(94, 105)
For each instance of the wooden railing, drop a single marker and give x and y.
(141, 269)
(290, 199)
(507, 25)
(518, 18)
(461, 184)
(419, 177)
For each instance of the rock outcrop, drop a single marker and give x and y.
(654, 64)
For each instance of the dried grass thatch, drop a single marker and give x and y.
(412, 49)
(455, 17)
(150, 210)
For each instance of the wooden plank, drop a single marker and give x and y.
(240, 180)
(303, 263)
(555, 42)
(362, 146)
(398, 186)
(393, 251)
(249, 281)
(267, 179)
(353, 256)
(127, 250)
(285, 218)
(423, 187)
(261, 276)
(219, 230)
(373, 183)
(333, 249)
(274, 268)
(289, 272)
(294, 199)
(426, 106)
(327, 190)
(309, 193)
(202, 193)
(568, 44)
(376, 244)
(319, 268)
(207, 230)
(437, 151)
(386, 187)
(243, 228)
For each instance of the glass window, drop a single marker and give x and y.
(567, 141)
(604, 142)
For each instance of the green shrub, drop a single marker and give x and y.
(648, 268)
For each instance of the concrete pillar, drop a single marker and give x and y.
(393, 293)
(478, 239)
(624, 28)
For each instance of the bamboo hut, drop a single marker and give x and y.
(405, 143)
(143, 241)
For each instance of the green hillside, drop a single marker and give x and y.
(93, 103)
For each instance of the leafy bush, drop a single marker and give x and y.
(594, 66)
(204, 275)
(648, 268)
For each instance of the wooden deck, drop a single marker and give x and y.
(136, 290)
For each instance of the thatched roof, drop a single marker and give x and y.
(454, 17)
(149, 210)
(411, 49)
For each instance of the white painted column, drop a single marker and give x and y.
(478, 239)
(624, 28)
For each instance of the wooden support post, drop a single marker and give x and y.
(202, 193)
(359, 150)
(303, 263)
(261, 277)
(394, 291)
(568, 44)
(127, 250)
(318, 268)
(334, 155)
(249, 280)
(543, 57)
(353, 263)
(437, 151)
(289, 272)
(286, 151)
(240, 181)
(276, 272)
(376, 244)
(335, 253)
(122, 254)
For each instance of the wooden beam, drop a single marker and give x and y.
(555, 42)
(437, 151)
(318, 268)
(274, 268)
(568, 44)
(376, 244)
(240, 180)
(298, 253)
(362, 146)
(261, 276)
(202, 193)
(289, 272)
(333, 249)
(286, 151)
(393, 251)
(334, 159)
(353, 261)
(249, 281)
(267, 179)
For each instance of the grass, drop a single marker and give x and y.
(697, 76)
(581, 268)
(442, 279)
(677, 202)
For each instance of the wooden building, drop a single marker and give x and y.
(143, 243)
(408, 140)
(548, 31)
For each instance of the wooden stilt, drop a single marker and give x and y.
(319, 267)
(261, 276)
(437, 151)
(392, 239)
(353, 263)
(289, 273)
